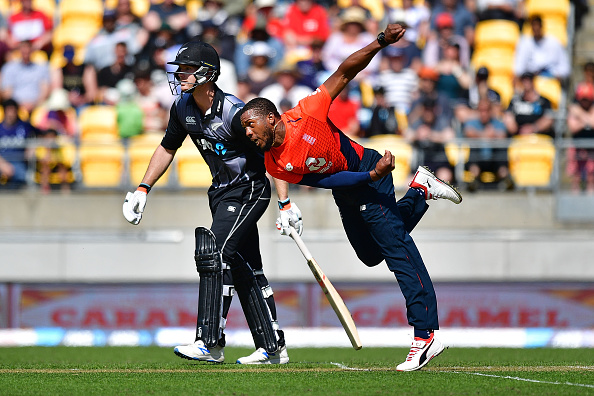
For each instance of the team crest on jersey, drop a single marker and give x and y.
(190, 120)
(289, 167)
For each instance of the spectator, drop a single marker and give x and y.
(588, 70)
(75, 79)
(541, 54)
(244, 88)
(214, 22)
(263, 13)
(312, 70)
(109, 76)
(167, 12)
(486, 128)
(131, 25)
(286, 87)
(480, 89)
(436, 46)
(304, 22)
(350, 37)
(454, 79)
(154, 114)
(25, 81)
(580, 122)
(31, 25)
(14, 136)
(57, 114)
(259, 74)
(416, 19)
(464, 20)
(383, 118)
(4, 48)
(398, 82)
(130, 115)
(52, 166)
(343, 114)
(428, 78)
(243, 52)
(529, 112)
(428, 135)
(510, 10)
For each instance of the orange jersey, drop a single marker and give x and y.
(312, 143)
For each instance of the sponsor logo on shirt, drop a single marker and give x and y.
(315, 164)
(217, 148)
(309, 139)
(231, 209)
(289, 167)
(190, 120)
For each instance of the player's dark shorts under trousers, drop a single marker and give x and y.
(235, 212)
(378, 228)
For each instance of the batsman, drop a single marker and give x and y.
(228, 254)
(303, 146)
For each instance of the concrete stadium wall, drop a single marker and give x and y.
(84, 237)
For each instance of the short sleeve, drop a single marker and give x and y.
(175, 133)
(317, 104)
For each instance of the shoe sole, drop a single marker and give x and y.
(181, 355)
(443, 348)
(446, 183)
(267, 362)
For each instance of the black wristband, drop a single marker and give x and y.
(381, 39)
(282, 204)
(144, 185)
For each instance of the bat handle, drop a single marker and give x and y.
(304, 250)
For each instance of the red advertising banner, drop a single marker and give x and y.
(151, 306)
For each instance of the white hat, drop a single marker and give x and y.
(58, 100)
(260, 48)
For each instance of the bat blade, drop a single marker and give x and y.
(332, 295)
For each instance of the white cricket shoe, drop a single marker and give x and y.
(433, 186)
(421, 352)
(260, 356)
(199, 351)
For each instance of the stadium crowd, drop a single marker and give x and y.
(438, 85)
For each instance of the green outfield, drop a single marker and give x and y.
(331, 371)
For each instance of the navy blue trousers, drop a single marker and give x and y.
(379, 229)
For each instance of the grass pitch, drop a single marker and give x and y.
(328, 371)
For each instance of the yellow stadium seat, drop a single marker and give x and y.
(499, 61)
(138, 7)
(548, 8)
(531, 159)
(192, 171)
(101, 164)
(140, 150)
(89, 11)
(456, 152)
(496, 33)
(504, 86)
(98, 121)
(64, 154)
(75, 33)
(554, 26)
(401, 150)
(550, 88)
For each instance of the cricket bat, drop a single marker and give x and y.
(331, 294)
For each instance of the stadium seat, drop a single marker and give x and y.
(138, 7)
(98, 121)
(140, 151)
(496, 34)
(455, 152)
(544, 8)
(504, 86)
(499, 61)
(67, 156)
(192, 171)
(101, 164)
(550, 88)
(88, 11)
(402, 151)
(75, 33)
(531, 159)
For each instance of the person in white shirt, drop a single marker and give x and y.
(541, 54)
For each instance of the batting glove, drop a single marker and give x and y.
(134, 204)
(290, 215)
